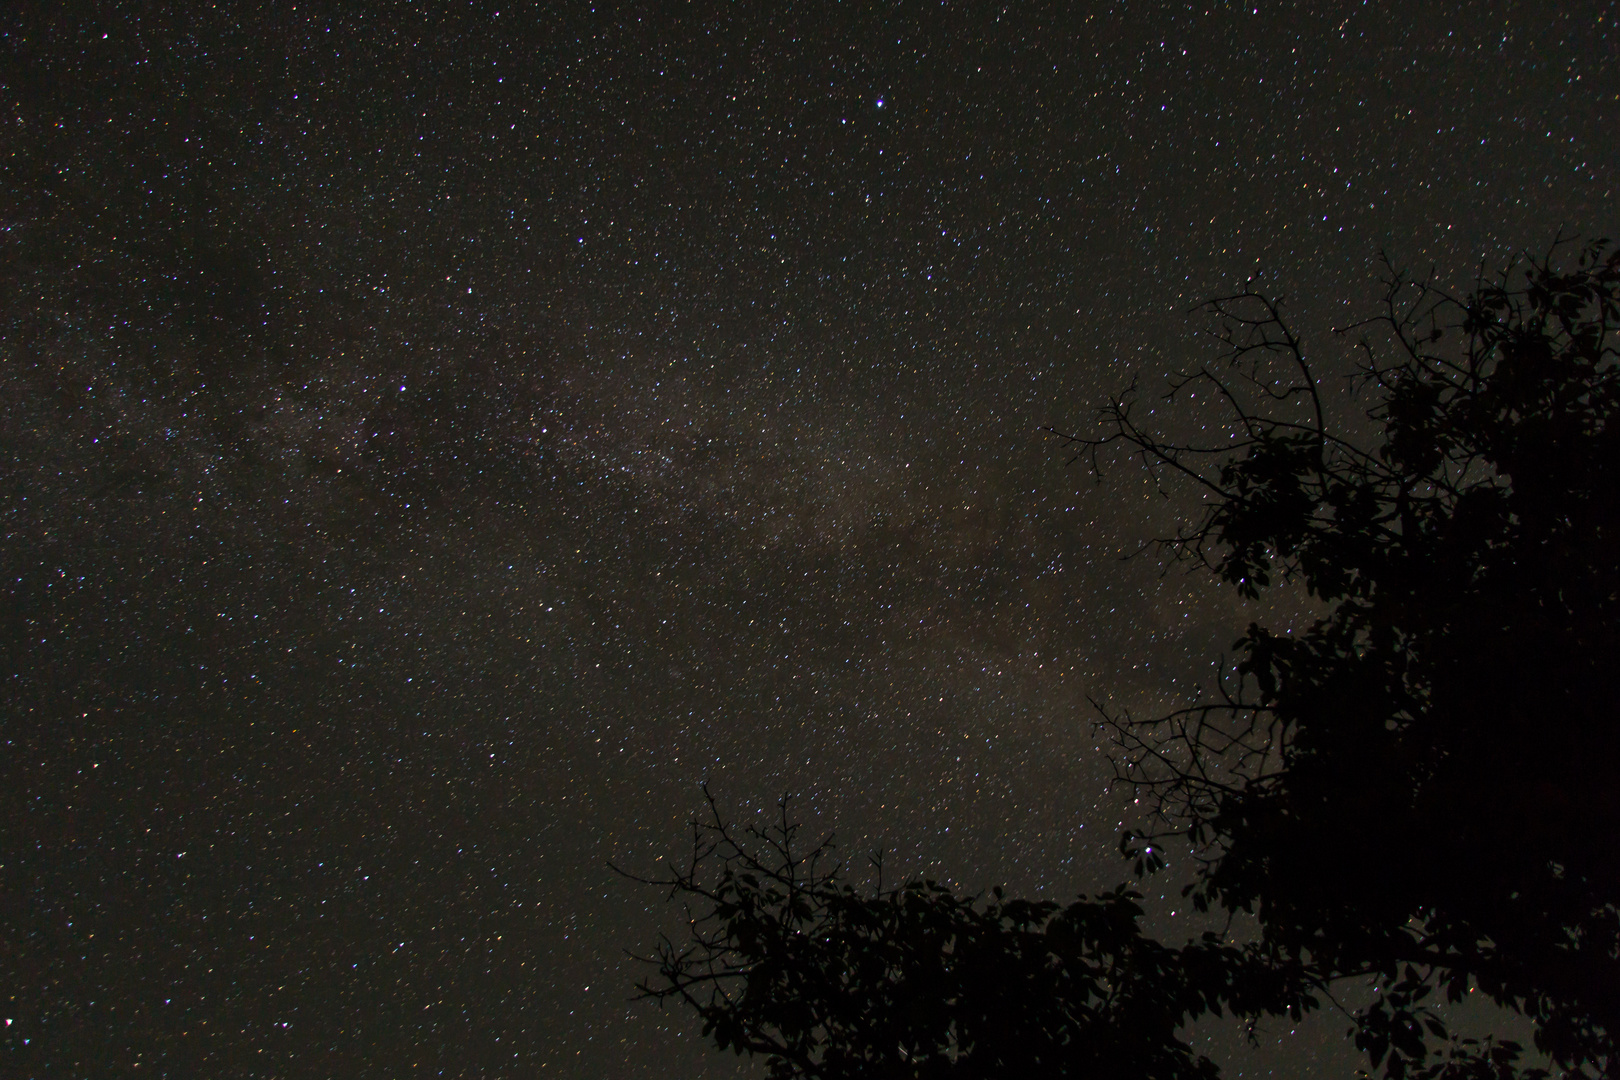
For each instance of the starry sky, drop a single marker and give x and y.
(435, 440)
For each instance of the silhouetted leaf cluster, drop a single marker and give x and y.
(785, 959)
(1408, 787)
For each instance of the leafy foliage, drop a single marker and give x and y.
(787, 960)
(1408, 788)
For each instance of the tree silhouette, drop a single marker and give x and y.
(1409, 788)
(784, 959)
(1419, 787)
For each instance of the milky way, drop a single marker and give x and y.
(435, 442)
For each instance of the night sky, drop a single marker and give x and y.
(434, 441)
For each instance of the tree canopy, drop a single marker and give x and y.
(1418, 787)
(788, 960)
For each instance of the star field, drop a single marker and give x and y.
(435, 440)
